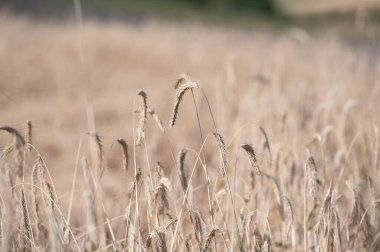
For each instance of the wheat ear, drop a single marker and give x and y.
(252, 157)
(181, 166)
(124, 147)
(143, 111)
(183, 86)
(222, 154)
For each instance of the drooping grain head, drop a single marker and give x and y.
(180, 92)
(19, 143)
(252, 157)
(142, 117)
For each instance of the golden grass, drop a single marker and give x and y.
(307, 106)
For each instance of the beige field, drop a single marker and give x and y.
(307, 105)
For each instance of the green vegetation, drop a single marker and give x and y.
(226, 11)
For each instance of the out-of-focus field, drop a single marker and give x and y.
(311, 94)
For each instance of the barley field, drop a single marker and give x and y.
(155, 136)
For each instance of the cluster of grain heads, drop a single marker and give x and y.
(204, 232)
(31, 219)
(165, 208)
(156, 241)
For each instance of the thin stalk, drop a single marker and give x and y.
(204, 158)
(136, 190)
(184, 198)
(216, 130)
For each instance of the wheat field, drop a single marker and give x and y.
(154, 136)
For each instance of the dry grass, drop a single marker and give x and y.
(308, 107)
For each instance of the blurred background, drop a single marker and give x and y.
(304, 13)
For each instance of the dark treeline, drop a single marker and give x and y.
(267, 6)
